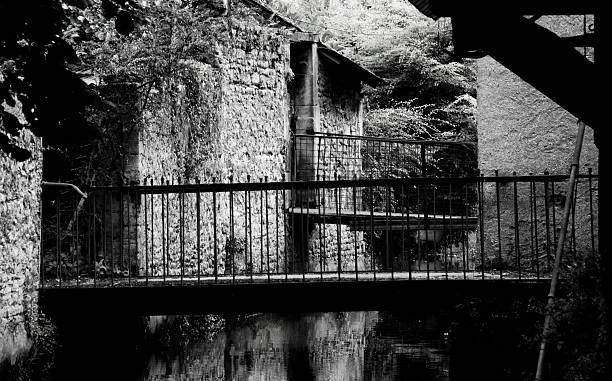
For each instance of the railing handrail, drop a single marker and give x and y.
(343, 183)
(383, 139)
(66, 185)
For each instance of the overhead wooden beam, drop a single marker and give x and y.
(491, 8)
(537, 55)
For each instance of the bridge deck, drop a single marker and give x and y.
(344, 276)
(365, 219)
(294, 293)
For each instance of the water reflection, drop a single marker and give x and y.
(316, 346)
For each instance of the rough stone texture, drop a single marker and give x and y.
(520, 129)
(19, 245)
(221, 115)
(216, 124)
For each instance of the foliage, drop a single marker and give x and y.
(577, 343)
(40, 85)
(429, 92)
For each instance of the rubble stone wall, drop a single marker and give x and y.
(20, 188)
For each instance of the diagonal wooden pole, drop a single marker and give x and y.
(559, 250)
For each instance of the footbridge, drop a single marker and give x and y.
(346, 244)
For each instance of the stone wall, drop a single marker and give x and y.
(521, 130)
(20, 188)
(221, 123)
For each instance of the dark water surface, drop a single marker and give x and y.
(480, 341)
(314, 346)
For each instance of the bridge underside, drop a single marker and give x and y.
(291, 296)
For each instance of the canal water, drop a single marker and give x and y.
(470, 342)
(316, 346)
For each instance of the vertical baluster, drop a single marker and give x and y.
(445, 234)
(409, 250)
(388, 260)
(267, 231)
(232, 237)
(285, 237)
(591, 217)
(198, 231)
(535, 228)
(215, 245)
(450, 217)
(182, 227)
(246, 230)
(41, 237)
(464, 238)
(320, 228)
(554, 213)
(277, 230)
(574, 218)
(481, 223)
(373, 259)
(355, 225)
(121, 228)
(261, 228)
(250, 225)
(531, 223)
(338, 226)
(499, 244)
(402, 226)
(152, 230)
(547, 220)
(58, 239)
(324, 227)
(517, 242)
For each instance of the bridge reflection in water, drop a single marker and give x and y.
(334, 238)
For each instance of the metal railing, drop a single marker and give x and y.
(499, 227)
(321, 156)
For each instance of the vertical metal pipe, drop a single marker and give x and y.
(559, 251)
